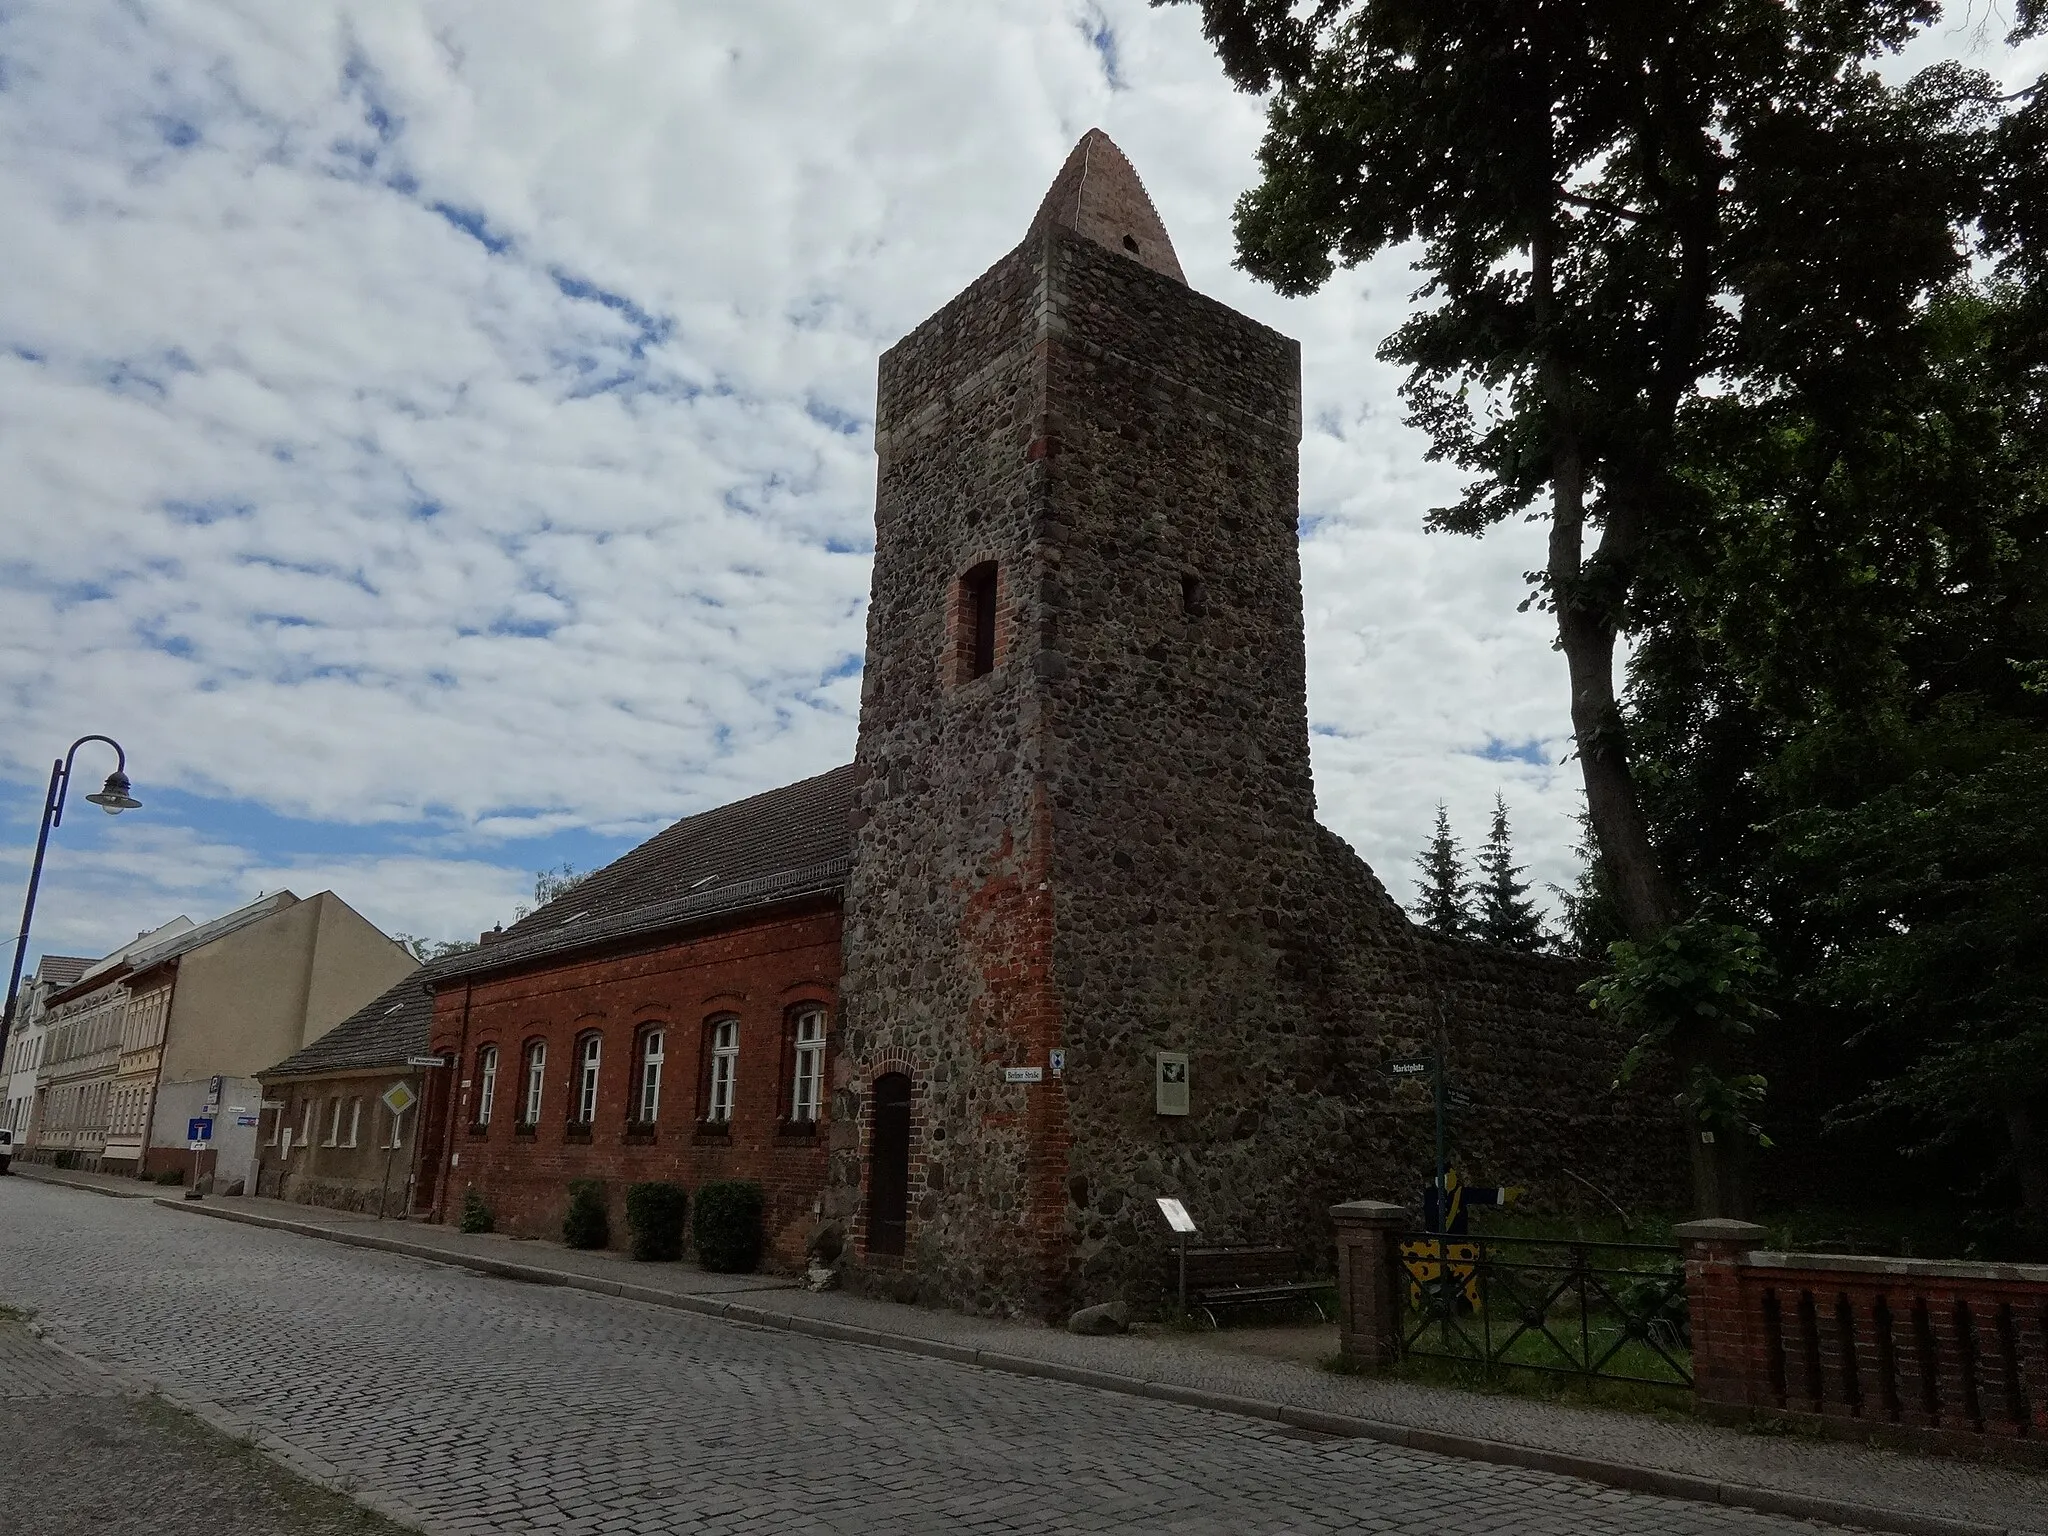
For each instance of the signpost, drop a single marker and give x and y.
(198, 1134)
(1177, 1217)
(1430, 1066)
(398, 1098)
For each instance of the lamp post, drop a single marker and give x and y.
(113, 798)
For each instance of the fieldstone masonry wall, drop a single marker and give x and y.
(1108, 845)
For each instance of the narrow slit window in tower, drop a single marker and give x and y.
(978, 621)
(1194, 599)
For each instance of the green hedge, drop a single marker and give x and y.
(585, 1226)
(729, 1226)
(654, 1215)
(476, 1216)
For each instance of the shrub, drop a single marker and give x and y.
(729, 1226)
(476, 1216)
(585, 1226)
(654, 1215)
(170, 1176)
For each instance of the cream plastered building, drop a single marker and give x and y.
(176, 1029)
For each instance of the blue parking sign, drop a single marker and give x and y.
(200, 1129)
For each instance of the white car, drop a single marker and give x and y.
(6, 1148)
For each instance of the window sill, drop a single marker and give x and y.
(640, 1133)
(797, 1130)
(576, 1130)
(524, 1131)
(713, 1130)
(483, 1129)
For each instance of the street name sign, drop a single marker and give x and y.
(1023, 1074)
(1413, 1067)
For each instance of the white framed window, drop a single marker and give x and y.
(305, 1122)
(808, 1082)
(276, 1119)
(725, 1059)
(333, 1123)
(355, 1121)
(486, 1083)
(588, 1049)
(536, 1071)
(653, 1044)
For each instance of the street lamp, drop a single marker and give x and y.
(113, 798)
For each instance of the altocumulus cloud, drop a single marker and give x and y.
(436, 435)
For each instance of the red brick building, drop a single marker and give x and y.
(672, 1017)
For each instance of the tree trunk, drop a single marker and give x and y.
(1587, 603)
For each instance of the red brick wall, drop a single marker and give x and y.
(1953, 1351)
(757, 972)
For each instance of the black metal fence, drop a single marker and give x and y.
(1612, 1310)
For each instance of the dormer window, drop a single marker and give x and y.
(974, 638)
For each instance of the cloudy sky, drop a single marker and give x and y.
(435, 436)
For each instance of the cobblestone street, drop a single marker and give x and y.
(486, 1405)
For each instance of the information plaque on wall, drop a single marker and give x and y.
(1170, 1089)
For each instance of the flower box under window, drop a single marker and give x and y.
(714, 1130)
(797, 1130)
(524, 1130)
(576, 1130)
(640, 1133)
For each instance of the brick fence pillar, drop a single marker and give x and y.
(1728, 1365)
(1369, 1281)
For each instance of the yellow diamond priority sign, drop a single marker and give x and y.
(398, 1098)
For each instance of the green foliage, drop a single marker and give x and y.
(586, 1225)
(1441, 905)
(1505, 915)
(655, 1213)
(1694, 992)
(728, 1226)
(1933, 895)
(428, 950)
(476, 1216)
(169, 1176)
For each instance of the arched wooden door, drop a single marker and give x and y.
(889, 1165)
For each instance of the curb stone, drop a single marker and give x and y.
(1621, 1475)
(222, 1420)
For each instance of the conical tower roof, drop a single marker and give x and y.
(1097, 194)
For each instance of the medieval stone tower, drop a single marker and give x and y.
(1084, 824)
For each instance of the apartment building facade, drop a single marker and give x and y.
(176, 1027)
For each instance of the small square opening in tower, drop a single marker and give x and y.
(977, 635)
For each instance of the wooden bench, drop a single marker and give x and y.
(1247, 1274)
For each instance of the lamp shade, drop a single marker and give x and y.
(114, 798)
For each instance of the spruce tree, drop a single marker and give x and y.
(1441, 903)
(1506, 915)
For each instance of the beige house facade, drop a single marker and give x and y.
(176, 1028)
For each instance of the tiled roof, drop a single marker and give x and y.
(786, 843)
(61, 970)
(382, 1033)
